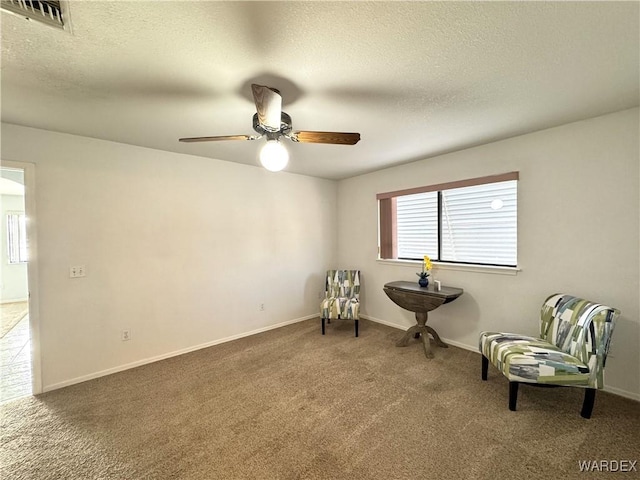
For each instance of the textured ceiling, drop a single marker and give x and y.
(416, 79)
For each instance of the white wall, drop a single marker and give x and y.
(14, 276)
(179, 249)
(578, 229)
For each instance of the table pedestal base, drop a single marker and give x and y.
(422, 330)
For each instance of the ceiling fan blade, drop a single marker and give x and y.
(268, 105)
(222, 137)
(325, 137)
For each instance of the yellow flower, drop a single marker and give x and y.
(427, 263)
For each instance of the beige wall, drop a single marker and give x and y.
(179, 249)
(578, 232)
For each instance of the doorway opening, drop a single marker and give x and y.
(16, 379)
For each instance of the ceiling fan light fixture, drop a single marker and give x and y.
(274, 156)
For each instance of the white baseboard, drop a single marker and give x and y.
(384, 322)
(622, 393)
(615, 391)
(120, 368)
(13, 300)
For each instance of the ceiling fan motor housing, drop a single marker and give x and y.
(285, 125)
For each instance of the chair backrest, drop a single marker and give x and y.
(580, 328)
(343, 283)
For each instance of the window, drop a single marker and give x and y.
(471, 221)
(17, 237)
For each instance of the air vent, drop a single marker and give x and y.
(49, 12)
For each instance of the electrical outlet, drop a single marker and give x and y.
(125, 335)
(261, 307)
(77, 271)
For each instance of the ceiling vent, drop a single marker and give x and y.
(49, 12)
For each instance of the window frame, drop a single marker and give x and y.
(387, 219)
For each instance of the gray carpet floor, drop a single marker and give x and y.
(293, 404)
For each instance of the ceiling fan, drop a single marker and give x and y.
(271, 122)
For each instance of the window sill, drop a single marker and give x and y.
(456, 267)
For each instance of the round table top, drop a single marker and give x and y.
(413, 297)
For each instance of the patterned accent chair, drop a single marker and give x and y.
(571, 350)
(341, 297)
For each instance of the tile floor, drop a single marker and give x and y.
(15, 362)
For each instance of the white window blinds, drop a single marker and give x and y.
(417, 227)
(478, 224)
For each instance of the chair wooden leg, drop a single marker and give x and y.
(513, 395)
(356, 327)
(323, 326)
(485, 367)
(587, 405)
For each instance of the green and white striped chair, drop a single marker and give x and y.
(571, 350)
(341, 297)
